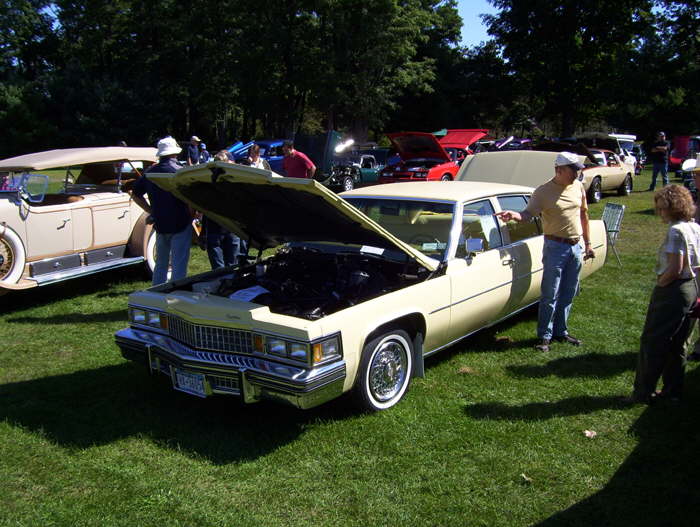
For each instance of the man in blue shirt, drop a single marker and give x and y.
(193, 150)
(172, 219)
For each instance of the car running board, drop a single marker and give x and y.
(50, 278)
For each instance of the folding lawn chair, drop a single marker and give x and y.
(612, 217)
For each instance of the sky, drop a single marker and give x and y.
(473, 30)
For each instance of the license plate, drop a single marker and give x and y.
(188, 382)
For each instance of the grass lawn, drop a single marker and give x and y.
(493, 435)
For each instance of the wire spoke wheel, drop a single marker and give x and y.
(7, 259)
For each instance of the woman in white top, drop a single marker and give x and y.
(667, 325)
(254, 158)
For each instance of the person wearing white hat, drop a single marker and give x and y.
(561, 202)
(172, 219)
(193, 150)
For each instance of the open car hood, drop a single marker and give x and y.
(414, 145)
(270, 210)
(70, 157)
(462, 138)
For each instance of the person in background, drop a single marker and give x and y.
(695, 355)
(297, 164)
(193, 150)
(254, 158)
(223, 247)
(172, 218)
(667, 324)
(561, 201)
(204, 155)
(659, 159)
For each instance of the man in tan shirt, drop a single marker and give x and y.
(561, 202)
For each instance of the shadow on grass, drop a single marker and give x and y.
(99, 406)
(76, 318)
(657, 485)
(588, 365)
(540, 411)
(74, 288)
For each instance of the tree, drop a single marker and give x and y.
(566, 55)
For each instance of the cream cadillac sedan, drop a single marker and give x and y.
(91, 224)
(361, 287)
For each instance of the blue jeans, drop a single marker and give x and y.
(172, 249)
(223, 249)
(659, 168)
(562, 265)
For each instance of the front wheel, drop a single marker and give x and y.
(12, 256)
(348, 183)
(626, 188)
(446, 177)
(595, 192)
(385, 371)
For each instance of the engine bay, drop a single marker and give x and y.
(309, 283)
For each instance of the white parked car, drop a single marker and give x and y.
(362, 286)
(90, 225)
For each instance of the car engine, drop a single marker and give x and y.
(309, 283)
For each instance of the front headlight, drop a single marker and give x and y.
(277, 347)
(146, 317)
(137, 316)
(309, 354)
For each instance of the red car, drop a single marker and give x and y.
(458, 142)
(422, 158)
(425, 158)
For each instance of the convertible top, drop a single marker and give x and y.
(70, 157)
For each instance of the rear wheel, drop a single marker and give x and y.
(446, 177)
(12, 256)
(626, 188)
(385, 371)
(595, 192)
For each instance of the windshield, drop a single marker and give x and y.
(424, 225)
(627, 145)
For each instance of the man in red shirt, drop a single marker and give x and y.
(295, 163)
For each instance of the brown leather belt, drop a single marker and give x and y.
(570, 241)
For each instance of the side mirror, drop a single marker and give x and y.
(473, 246)
(32, 187)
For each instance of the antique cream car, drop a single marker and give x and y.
(90, 225)
(362, 286)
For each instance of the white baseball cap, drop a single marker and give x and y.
(168, 146)
(568, 158)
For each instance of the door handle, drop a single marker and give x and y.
(509, 261)
(65, 222)
(123, 214)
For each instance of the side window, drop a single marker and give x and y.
(478, 221)
(518, 231)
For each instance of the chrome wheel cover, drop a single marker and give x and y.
(348, 184)
(388, 370)
(7, 258)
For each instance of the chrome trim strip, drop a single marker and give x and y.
(85, 270)
(486, 291)
(433, 351)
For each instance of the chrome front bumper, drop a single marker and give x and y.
(252, 378)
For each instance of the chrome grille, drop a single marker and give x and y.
(210, 337)
(226, 384)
